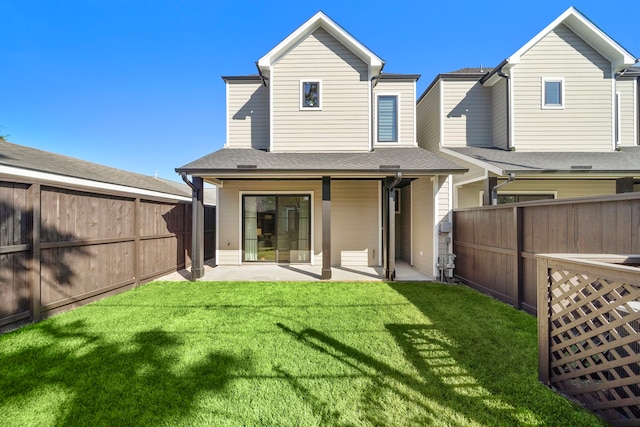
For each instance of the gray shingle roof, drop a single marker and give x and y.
(20, 156)
(625, 161)
(406, 159)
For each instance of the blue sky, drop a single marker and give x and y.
(136, 84)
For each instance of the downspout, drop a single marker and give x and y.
(372, 130)
(508, 122)
(390, 261)
(494, 191)
(262, 77)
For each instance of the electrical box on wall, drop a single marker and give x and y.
(445, 227)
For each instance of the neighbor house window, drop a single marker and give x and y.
(388, 118)
(552, 93)
(310, 94)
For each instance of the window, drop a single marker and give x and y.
(515, 198)
(552, 93)
(388, 118)
(310, 96)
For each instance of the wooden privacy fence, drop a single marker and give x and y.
(496, 245)
(63, 247)
(589, 332)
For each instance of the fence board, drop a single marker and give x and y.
(64, 247)
(485, 243)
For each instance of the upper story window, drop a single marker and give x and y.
(387, 118)
(553, 92)
(310, 94)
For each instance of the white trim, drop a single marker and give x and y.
(301, 93)
(398, 115)
(316, 21)
(511, 110)
(370, 107)
(415, 120)
(271, 79)
(636, 114)
(80, 182)
(484, 165)
(589, 32)
(543, 88)
(312, 230)
(614, 142)
(441, 141)
(617, 130)
(227, 115)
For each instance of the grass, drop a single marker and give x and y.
(343, 354)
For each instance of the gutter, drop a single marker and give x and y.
(262, 77)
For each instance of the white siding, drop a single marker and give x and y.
(499, 102)
(467, 114)
(429, 120)
(628, 112)
(585, 122)
(354, 223)
(406, 101)
(343, 122)
(248, 109)
(422, 212)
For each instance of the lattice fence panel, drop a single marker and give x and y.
(595, 343)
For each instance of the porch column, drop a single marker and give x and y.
(326, 228)
(389, 228)
(489, 183)
(197, 229)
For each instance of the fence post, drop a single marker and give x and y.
(35, 273)
(544, 313)
(137, 223)
(518, 278)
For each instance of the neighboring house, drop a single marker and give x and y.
(558, 118)
(319, 143)
(19, 161)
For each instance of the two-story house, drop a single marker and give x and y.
(558, 118)
(320, 143)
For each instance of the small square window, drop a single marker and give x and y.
(552, 93)
(310, 94)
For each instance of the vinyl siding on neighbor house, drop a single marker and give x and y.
(466, 114)
(627, 88)
(429, 119)
(342, 124)
(405, 90)
(248, 114)
(585, 122)
(499, 102)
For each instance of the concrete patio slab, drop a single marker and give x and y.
(295, 273)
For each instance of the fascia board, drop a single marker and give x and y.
(488, 166)
(316, 21)
(589, 32)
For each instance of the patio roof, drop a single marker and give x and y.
(623, 162)
(411, 161)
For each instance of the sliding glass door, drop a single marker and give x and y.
(276, 228)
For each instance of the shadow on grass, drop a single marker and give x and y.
(441, 382)
(87, 380)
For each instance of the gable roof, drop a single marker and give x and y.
(320, 20)
(590, 33)
(26, 161)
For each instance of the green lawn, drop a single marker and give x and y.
(344, 354)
